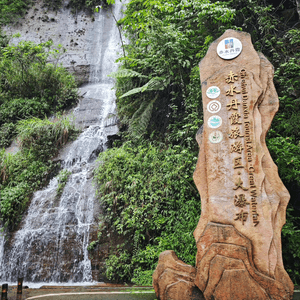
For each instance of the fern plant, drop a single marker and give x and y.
(140, 119)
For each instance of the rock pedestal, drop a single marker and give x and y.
(243, 200)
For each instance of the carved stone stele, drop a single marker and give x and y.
(243, 200)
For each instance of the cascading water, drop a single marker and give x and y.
(51, 245)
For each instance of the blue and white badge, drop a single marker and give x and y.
(213, 92)
(214, 121)
(229, 48)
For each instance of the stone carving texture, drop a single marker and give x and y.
(243, 200)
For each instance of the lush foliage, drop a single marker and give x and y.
(29, 169)
(75, 5)
(158, 83)
(150, 198)
(11, 10)
(30, 86)
(159, 99)
(62, 179)
(290, 245)
(30, 89)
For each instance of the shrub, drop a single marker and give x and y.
(30, 86)
(28, 170)
(150, 198)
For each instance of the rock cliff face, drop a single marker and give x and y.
(51, 243)
(78, 33)
(243, 201)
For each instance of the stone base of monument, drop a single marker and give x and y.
(225, 271)
(173, 279)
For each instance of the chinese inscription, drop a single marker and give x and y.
(240, 132)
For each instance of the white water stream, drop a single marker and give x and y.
(51, 245)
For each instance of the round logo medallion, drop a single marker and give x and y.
(215, 137)
(213, 92)
(214, 106)
(229, 48)
(214, 121)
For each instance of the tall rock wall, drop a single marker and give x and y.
(78, 33)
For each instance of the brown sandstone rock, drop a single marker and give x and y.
(173, 279)
(243, 199)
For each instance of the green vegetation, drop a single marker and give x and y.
(63, 177)
(150, 198)
(30, 89)
(30, 86)
(31, 168)
(146, 184)
(11, 11)
(75, 5)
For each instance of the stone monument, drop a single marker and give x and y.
(243, 200)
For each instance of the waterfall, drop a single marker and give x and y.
(51, 244)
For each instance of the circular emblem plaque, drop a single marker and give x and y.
(229, 48)
(213, 92)
(214, 106)
(215, 137)
(214, 121)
